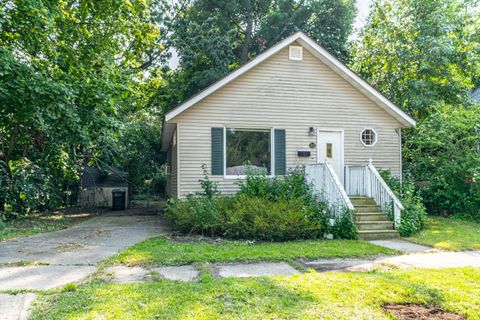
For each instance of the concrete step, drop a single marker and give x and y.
(367, 208)
(362, 200)
(370, 216)
(378, 234)
(375, 225)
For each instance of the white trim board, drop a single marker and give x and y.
(322, 54)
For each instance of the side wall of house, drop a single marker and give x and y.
(290, 95)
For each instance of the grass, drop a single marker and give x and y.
(308, 296)
(163, 251)
(39, 223)
(449, 234)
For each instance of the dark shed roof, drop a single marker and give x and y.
(108, 177)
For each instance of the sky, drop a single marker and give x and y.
(362, 6)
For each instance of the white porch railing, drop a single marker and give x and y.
(328, 187)
(366, 181)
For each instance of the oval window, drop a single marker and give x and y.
(368, 137)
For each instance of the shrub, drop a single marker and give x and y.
(344, 227)
(24, 188)
(258, 218)
(444, 157)
(264, 209)
(414, 216)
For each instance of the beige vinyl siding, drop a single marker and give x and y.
(291, 95)
(172, 181)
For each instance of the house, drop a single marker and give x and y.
(293, 105)
(97, 186)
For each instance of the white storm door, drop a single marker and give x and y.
(330, 148)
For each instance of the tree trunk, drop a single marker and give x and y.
(248, 34)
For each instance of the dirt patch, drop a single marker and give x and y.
(419, 312)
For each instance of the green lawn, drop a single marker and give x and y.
(449, 234)
(167, 252)
(307, 296)
(39, 223)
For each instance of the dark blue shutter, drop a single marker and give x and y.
(280, 154)
(217, 151)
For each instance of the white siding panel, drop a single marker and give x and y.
(291, 95)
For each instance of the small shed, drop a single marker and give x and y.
(97, 184)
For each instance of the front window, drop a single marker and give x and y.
(248, 150)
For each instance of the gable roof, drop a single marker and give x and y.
(322, 54)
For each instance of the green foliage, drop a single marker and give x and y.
(414, 215)
(420, 53)
(71, 79)
(209, 187)
(244, 217)
(344, 226)
(265, 208)
(445, 160)
(257, 218)
(26, 188)
(213, 37)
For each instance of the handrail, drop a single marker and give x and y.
(327, 186)
(339, 186)
(383, 195)
(385, 185)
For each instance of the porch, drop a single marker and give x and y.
(363, 192)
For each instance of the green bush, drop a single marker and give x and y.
(414, 216)
(443, 156)
(264, 209)
(25, 188)
(245, 217)
(344, 227)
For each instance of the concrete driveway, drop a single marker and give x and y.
(71, 254)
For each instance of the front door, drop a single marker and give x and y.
(330, 148)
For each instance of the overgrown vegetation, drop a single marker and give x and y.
(265, 208)
(308, 296)
(445, 160)
(414, 214)
(163, 251)
(73, 89)
(427, 62)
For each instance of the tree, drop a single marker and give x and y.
(420, 53)
(215, 36)
(445, 156)
(71, 72)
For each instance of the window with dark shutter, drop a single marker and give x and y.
(280, 153)
(217, 151)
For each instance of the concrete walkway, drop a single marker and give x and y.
(427, 260)
(69, 255)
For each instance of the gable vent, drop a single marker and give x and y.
(295, 53)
